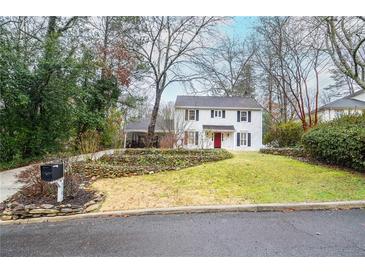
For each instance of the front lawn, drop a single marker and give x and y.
(248, 177)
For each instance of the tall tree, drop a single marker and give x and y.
(226, 68)
(345, 41)
(165, 46)
(298, 59)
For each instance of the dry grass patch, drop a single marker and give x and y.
(245, 178)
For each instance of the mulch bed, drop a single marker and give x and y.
(37, 192)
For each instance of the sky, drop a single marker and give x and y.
(240, 27)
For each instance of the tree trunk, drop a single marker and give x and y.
(152, 125)
(316, 100)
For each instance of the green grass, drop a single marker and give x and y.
(246, 178)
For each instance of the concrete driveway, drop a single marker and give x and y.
(306, 233)
(9, 184)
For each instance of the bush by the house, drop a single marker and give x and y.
(142, 161)
(285, 151)
(340, 142)
(284, 135)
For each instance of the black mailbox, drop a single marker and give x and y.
(51, 172)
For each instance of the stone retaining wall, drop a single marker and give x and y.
(285, 151)
(14, 210)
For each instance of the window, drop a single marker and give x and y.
(193, 138)
(191, 114)
(243, 139)
(243, 116)
(218, 114)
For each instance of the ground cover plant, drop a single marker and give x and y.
(141, 161)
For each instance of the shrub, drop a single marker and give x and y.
(284, 135)
(111, 135)
(340, 142)
(89, 142)
(168, 141)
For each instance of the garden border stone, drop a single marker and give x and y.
(286, 207)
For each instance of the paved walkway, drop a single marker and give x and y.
(8, 178)
(8, 182)
(306, 233)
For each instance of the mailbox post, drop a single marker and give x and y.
(53, 173)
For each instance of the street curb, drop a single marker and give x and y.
(200, 209)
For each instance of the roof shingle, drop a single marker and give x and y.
(234, 102)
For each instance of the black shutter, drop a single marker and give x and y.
(238, 139)
(249, 139)
(249, 116)
(223, 114)
(186, 114)
(196, 137)
(197, 115)
(212, 113)
(238, 115)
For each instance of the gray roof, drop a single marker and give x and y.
(346, 102)
(142, 126)
(215, 127)
(234, 102)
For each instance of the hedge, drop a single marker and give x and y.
(339, 142)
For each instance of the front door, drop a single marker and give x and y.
(217, 140)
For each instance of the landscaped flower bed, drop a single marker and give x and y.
(143, 161)
(38, 198)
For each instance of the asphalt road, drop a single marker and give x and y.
(317, 233)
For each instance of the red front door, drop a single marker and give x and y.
(217, 140)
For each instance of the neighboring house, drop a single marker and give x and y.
(208, 122)
(219, 122)
(135, 133)
(350, 104)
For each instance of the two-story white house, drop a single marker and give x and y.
(233, 123)
(219, 122)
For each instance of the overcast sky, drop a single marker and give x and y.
(240, 27)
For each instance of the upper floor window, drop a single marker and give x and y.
(191, 114)
(244, 116)
(217, 113)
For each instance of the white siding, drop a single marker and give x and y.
(360, 97)
(229, 138)
(330, 114)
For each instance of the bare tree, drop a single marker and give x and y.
(226, 69)
(298, 61)
(173, 125)
(345, 42)
(165, 45)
